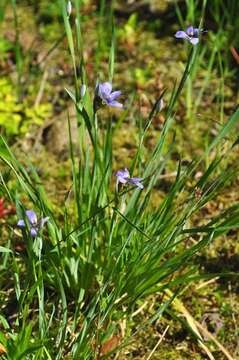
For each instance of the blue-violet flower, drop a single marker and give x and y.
(136, 181)
(35, 226)
(104, 92)
(123, 177)
(191, 34)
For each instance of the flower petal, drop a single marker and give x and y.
(181, 35)
(136, 181)
(31, 215)
(122, 180)
(115, 104)
(139, 185)
(43, 221)
(122, 176)
(190, 31)
(124, 173)
(105, 90)
(194, 40)
(114, 95)
(21, 223)
(33, 232)
(196, 32)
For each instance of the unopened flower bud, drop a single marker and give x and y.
(160, 105)
(69, 8)
(82, 90)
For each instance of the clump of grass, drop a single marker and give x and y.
(77, 278)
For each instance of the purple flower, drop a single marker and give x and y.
(104, 92)
(136, 181)
(191, 34)
(35, 226)
(124, 178)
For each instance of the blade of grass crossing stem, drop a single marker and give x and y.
(155, 255)
(144, 131)
(152, 171)
(156, 274)
(151, 174)
(230, 124)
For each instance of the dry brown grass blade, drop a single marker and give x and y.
(195, 326)
(158, 343)
(211, 337)
(206, 283)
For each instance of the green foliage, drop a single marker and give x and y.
(142, 75)
(5, 47)
(86, 272)
(3, 4)
(118, 251)
(19, 345)
(17, 118)
(49, 10)
(129, 29)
